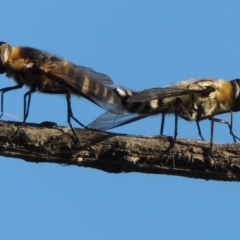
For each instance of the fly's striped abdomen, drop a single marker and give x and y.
(136, 107)
(150, 107)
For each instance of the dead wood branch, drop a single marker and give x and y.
(117, 153)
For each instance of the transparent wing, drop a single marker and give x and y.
(95, 76)
(84, 82)
(160, 93)
(110, 120)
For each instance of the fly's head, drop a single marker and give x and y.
(236, 84)
(5, 51)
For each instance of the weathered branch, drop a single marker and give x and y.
(117, 153)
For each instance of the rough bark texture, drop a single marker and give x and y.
(115, 153)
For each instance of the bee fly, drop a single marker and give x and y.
(46, 73)
(191, 100)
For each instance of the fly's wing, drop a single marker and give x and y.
(166, 92)
(84, 82)
(95, 76)
(110, 120)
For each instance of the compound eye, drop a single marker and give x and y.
(2, 66)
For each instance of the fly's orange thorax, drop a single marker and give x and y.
(15, 61)
(225, 96)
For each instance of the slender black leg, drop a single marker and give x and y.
(177, 104)
(176, 124)
(231, 130)
(199, 130)
(26, 103)
(230, 126)
(7, 89)
(172, 145)
(70, 115)
(211, 137)
(162, 124)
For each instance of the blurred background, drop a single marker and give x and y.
(139, 44)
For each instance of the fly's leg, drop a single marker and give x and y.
(26, 103)
(162, 124)
(70, 115)
(7, 89)
(230, 126)
(211, 136)
(199, 130)
(178, 106)
(178, 103)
